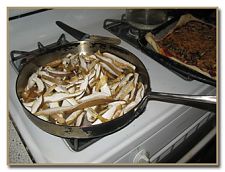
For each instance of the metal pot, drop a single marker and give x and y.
(146, 19)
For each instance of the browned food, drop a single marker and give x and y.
(192, 43)
(96, 88)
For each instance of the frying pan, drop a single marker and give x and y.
(89, 47)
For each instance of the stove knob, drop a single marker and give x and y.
(141, 157)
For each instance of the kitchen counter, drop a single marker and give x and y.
(17, 150)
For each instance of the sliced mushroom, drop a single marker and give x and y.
(125, 90)
(54, 63)
(54, 104)
(126, 98)
(108, 69)
(56, 73)
(94, 96)
(100, 87)
(80, 119)
(116, 103)
(83, 88)
(91, 75)
(31, 82)
(57, 118)
(84, 85)
(48, 83)
(40, 84)
(92, 65)
(28, 108)
(135, 85)
(72, 90)
(105, 89)
(98, 71)
(91, 114)
(139, 96)
(90, 58)
(60, 96)
(87, 101)
(107, 115)
(103, 80)
(66, 62)
(45, 118)
(37, 104)
(29, 104)
(110, 64)
(119, 61)
(83, 63)
(72, 101)
(117, 114)
(49, 90)
(72, 117)
(53, 80)
(65, 103)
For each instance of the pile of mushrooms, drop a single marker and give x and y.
(82, 90)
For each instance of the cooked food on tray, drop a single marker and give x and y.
(93, 88)
(191, 42)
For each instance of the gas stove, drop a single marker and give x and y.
(149, 138)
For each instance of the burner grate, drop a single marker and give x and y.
(19, 58)
(80, 144)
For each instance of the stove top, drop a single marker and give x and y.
(47, 148)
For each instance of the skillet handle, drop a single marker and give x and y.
(198, 101)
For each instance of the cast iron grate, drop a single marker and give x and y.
(80, 144)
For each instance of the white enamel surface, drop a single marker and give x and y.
(26, 32)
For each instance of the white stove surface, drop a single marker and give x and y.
(24, 33)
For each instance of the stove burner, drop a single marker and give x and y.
(133, 32)
(19, 58)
